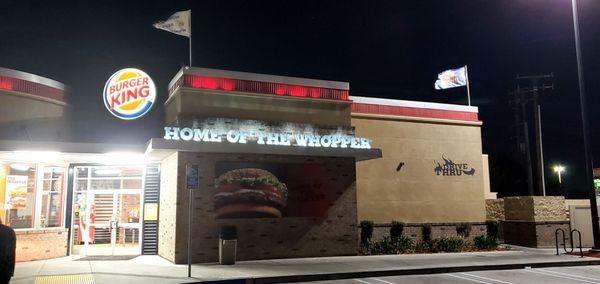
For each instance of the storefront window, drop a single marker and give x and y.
(18, 191)
(31, 196)
(52, 197)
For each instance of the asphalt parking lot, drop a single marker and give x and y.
(562, 275)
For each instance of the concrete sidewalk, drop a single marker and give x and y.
(154, 269)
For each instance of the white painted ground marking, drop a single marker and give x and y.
(363, 281)
(465, 278)
(486, 278)
(383, 281)
(567, 274)
(559, 276)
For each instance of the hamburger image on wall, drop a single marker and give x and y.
(249, 193)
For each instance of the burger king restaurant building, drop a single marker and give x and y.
(293, 164)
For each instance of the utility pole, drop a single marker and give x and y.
(537, 86)
(519, 103)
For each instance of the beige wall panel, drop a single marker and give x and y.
(17, 108)
(416, 193)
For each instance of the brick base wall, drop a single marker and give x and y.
(41, 244)
(415, 231)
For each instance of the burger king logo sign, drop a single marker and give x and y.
(129, 93)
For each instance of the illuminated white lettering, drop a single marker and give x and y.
(243, 136)
(355, 143)
(364, 143)
(201, 135)
(284, 140)
(301, 140)
(272, 138)
(260, 137)
(186, 134)
(326, 140)
(233, 136)
(214, 136)
(345, 141)
(313, 141)
(171, 133)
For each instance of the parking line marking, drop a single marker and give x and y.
(465, 278)
(487, 278)
(363, 281)
(383, 281)
(559, 276)
(567, 274)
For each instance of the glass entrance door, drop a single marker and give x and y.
(106, 210)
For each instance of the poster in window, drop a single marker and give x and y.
(16, 192)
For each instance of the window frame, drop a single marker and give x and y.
(40, 194)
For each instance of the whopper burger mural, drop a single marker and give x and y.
(129, 93)
(249, 192)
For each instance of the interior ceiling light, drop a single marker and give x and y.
(19, 167)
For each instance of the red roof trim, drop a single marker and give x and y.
(36, 89)
(414, 112)
(227, 84)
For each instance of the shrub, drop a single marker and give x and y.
(492, 228)
(463, 230)
(452, 244)
(485, 243)
(366, 232)
(388, 245)
(426, 233)
(396, 229)
(422, 247)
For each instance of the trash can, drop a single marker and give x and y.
(227, 245)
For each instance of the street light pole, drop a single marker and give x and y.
(589, 183)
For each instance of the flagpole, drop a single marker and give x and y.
(190, 38)
(468, 87)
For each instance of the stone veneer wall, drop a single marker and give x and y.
(415, 231)
(336, 233)
(494, 209)
(532, 220)
(535, 208)
(167, 209)
(41, 244)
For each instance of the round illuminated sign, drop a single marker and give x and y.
(129, 93)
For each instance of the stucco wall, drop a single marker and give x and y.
(415, 193)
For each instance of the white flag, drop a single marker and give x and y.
(178, 23)
(451, 78)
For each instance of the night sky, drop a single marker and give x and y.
(387, 49)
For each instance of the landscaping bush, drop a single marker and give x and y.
(388, 245)
(485, 243)
(493, 227)
(396, 229)
(366, 232)
(452, 244)
(426, 233)
(463, 230)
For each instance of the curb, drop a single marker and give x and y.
(396, 272)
